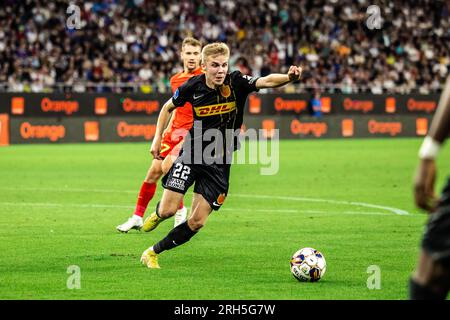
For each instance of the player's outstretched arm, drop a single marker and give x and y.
(440, 126)
(425, 177)
(163, 120)
(276, 80)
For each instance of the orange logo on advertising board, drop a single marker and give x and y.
(254, 104)
(390, 105)
(68, 107)
(4, 129)
(317, 129)
(17, 105)
(326, 104)
(268, 128)
(225, 91)
(427, 106)
(125, 130)
(91, 131)
(347, 127)
(215, 109)
(392, 128)
(290, 105)
(51, 132)
(130, 105)
(101, 105)
(358, 105)
(421, 126)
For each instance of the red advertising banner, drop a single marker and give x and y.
(134, 129)
(113, 104)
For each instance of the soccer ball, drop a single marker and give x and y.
(308, 264)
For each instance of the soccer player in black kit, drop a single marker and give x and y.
(431, 280)
(217, 98)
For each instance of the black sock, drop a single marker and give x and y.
(420, 292)
(177, 236)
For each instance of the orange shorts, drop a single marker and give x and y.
(172, 142)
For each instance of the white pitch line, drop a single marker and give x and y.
(309, 211)
(302, 199)
(350, 203)
(111, 206)
(63, 205)
(68, 190)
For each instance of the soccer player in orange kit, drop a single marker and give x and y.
(178, 127)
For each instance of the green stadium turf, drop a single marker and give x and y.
(60, 204)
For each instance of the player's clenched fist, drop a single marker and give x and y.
(295, 73)
(156, 148)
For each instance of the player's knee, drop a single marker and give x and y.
(166, 212)
(166, 209)
(195, 224)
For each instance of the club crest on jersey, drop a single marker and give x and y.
(225, 91)
(215, 109)
(221, 198)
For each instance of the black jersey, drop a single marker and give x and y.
(215, 112)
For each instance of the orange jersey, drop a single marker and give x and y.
(183, 118)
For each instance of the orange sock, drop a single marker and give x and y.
(145, 195)
(181, 204)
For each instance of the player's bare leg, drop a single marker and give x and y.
(166, 208)
(181, 234)
(168, 162)
(200, 212)
(430, 281)
(146, 193)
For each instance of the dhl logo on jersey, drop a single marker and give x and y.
(215, 109)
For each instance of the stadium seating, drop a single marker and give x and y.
(133, 45)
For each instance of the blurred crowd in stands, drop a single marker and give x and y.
(134, 45)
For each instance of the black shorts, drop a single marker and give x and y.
(436, 239)
(211, 181)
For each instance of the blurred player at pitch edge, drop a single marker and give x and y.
(180, 124)
(432, 278)
(218, 99)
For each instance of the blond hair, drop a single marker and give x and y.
(214, 49)
(191, 41)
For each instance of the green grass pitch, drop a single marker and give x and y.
(60, 204)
